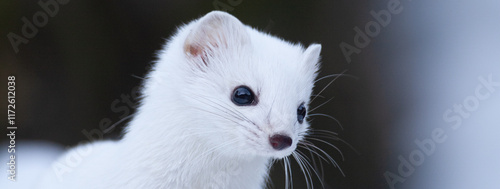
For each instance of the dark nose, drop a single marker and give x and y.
(280, 142)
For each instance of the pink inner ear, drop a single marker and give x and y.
(195, 51)
(213, 36)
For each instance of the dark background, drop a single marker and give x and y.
(80, 64)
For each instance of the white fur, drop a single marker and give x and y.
(187, 132)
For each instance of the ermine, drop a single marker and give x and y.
(221, 101)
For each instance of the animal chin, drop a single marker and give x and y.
(282, 154)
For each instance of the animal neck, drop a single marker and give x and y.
(173, 160)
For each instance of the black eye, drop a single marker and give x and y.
(243, 96)
(301, 113)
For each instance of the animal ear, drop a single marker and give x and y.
(214, 35)
(312, 56)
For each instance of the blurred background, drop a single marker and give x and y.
(418, 64)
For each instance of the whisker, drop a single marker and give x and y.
(234, 110)
(138, 77)
(249, 129)
(268, 182)
(220, 108)
(285, 168)
(304, 157)
(270, 109)
(221, 116)
(318, 131)
(320, 167)
(307, 174)
(118, 122)
(332, 135)
(328, 116)
(224, 106)
(337, 75)
(288, 173)
(318, 96)
(321, 105)
(327, 143)
(328, 85)
(328, 156)
(330, 159)
(312, 151)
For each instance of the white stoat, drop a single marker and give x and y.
(222, 100)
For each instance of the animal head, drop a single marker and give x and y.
(246, 92)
